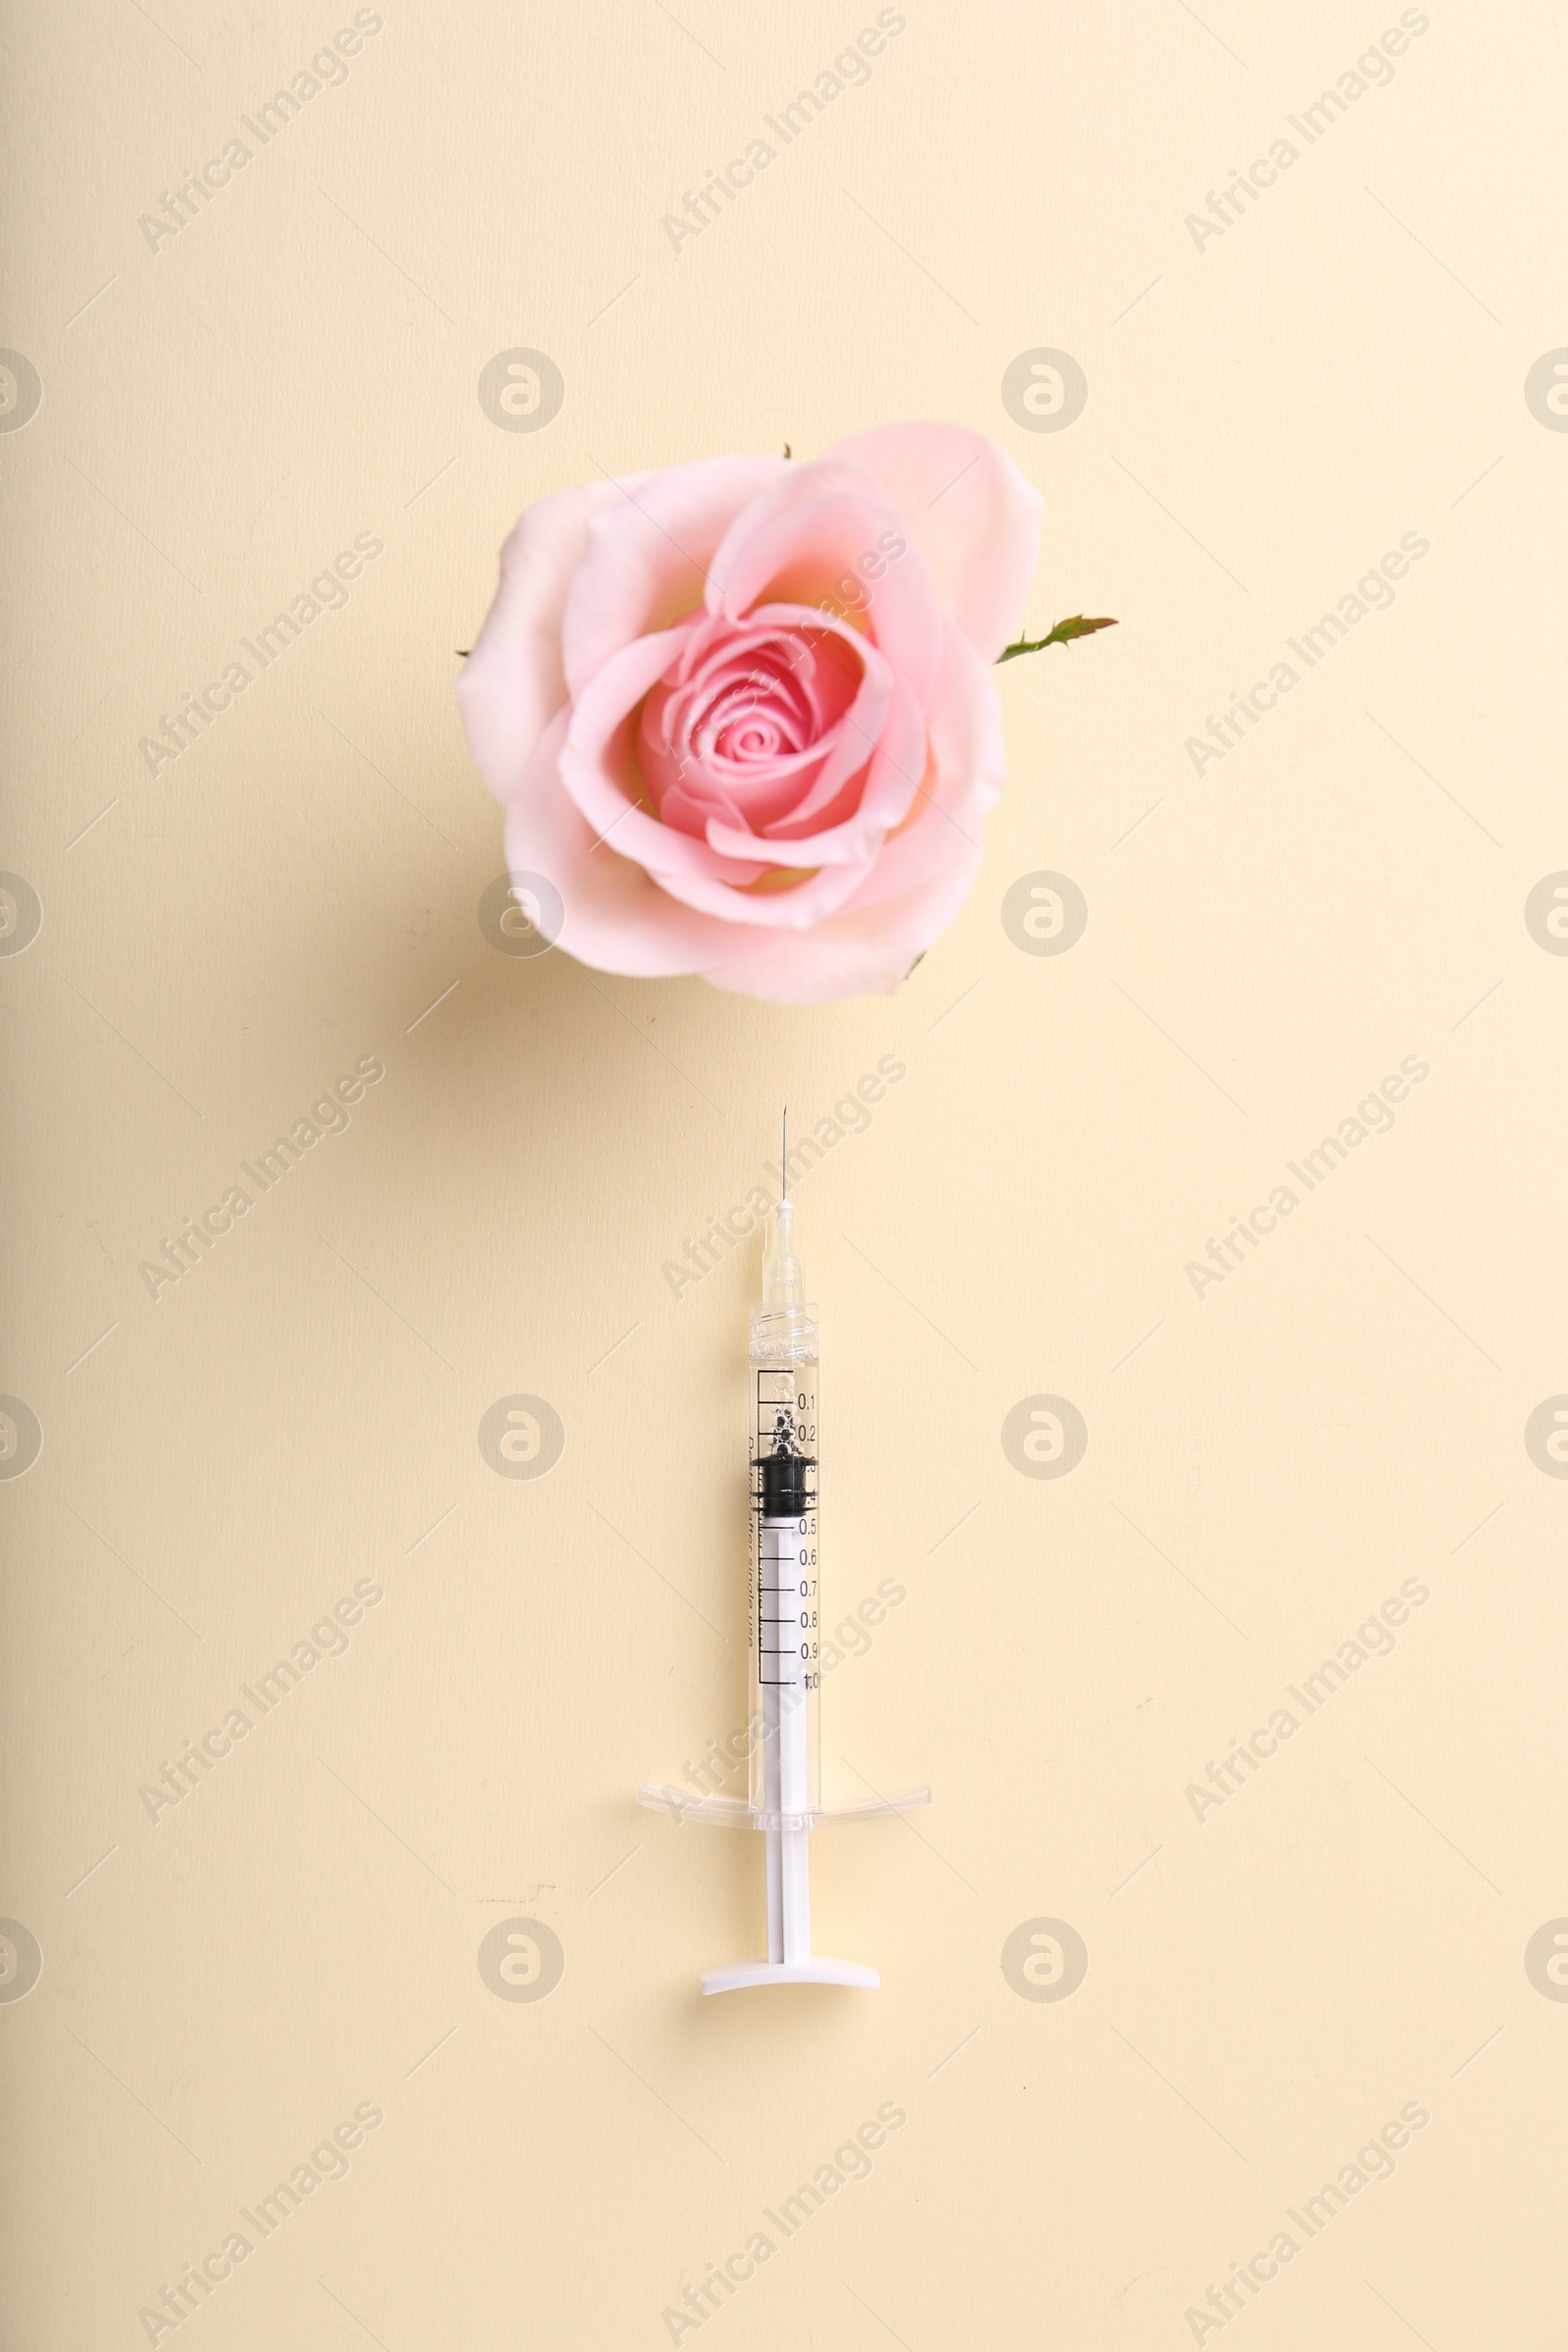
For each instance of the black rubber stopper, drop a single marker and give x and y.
(787, 1492)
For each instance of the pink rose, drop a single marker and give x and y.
(741, 714)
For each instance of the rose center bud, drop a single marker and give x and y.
(750, 738)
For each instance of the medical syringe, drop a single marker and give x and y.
(784, 1612)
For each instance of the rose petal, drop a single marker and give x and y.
(778, 790)
(647, 556)
(686, 867)
(802, 906)
(969, 510)
(895, 767)
(618, 917)
(807, 538)
(849, 739)
(514, 683)
(963, 779)
(918, 884)
(864, 954)
(588, 753)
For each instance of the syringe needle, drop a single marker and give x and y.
(784, 1156)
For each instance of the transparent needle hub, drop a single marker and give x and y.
(784, 1612)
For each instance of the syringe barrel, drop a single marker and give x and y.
(784, 1606)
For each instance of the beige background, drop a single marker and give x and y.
(1268, 1985)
